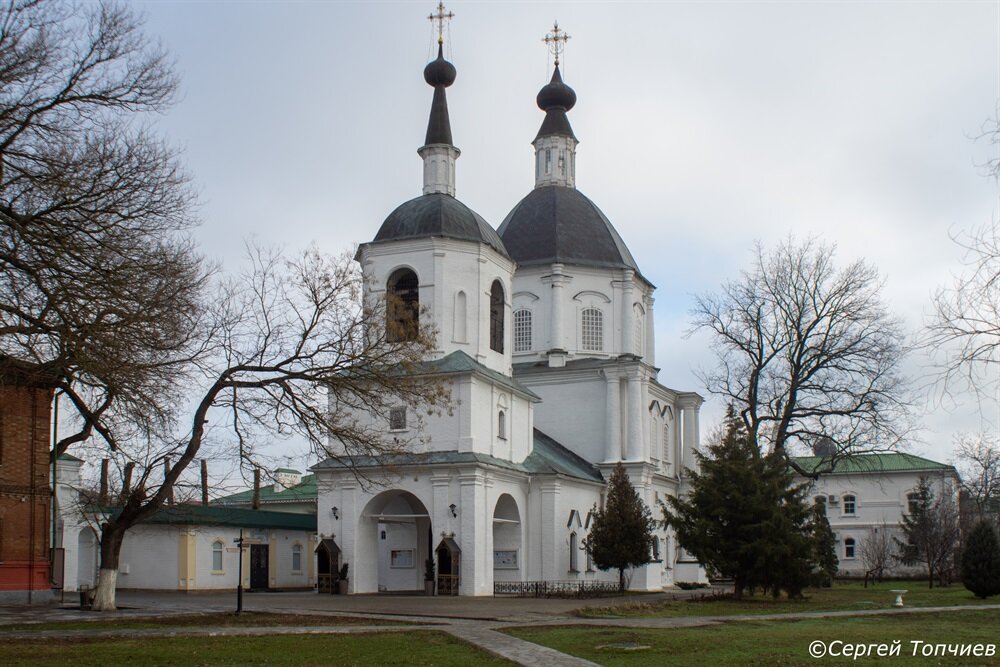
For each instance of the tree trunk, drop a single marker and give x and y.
(621, 580)
(738, 588)
(107, 580)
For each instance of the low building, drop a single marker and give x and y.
(869, 493)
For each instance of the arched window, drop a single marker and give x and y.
(461, 318)
(501, 425)
(296, 558)
(638, 331)
(592, 330)
(496, 316)
(849, 547)
(821, 502)
(850, 504)
(522, 330)
(573, 548)
(655, 556)
(402, 313)
(666, 441)
(217, 547)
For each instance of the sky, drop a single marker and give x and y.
(704, 127)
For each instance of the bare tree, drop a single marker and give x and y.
(877, 552)
(808, 351)
(964, 329)
(101, 287)
(291, 349)
(931, 530)
(978, 462)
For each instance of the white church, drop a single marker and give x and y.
(545, 337)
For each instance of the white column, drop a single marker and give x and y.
(650, 352)
(612, 420)
(554, 563)
(628, 314)
(439, 168)
(472, 535)
(689, 411)
(555, 161)
(634, 445)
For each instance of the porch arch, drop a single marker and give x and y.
(394, 540)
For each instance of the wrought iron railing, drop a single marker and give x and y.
(447, 584)
(556, 589)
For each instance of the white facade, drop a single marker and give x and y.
(874, 496)
(502, 488)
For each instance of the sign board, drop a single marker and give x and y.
(232, 550)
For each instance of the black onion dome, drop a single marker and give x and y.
(439, 215)
(555, 99)
(559, 224)
(556, 94)
(440, 72)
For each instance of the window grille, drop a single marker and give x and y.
(522, 330)
(592, 325)
(397, 419)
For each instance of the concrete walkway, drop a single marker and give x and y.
(478, 621)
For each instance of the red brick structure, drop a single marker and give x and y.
(25, 422)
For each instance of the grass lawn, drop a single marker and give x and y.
(848, 596)
(219, 620)
(402, 648)
(772, 642)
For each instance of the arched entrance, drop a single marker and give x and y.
(506, 540)
(394, 541)
(449, 561)
(86, 558)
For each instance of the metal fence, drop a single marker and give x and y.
(556, 589)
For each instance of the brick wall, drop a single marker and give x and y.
(24, 491)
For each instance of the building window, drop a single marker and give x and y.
(592, 330)
(501, 425)
(849, 504)
(655, 557)
(913, 501)
(522, 330)
(637, 339)
(820, 501)
(496, 316)
(666, 442)
(402, 310)
(217, 556)
(397, 419)
(573, 548)
(849, 547)
(296, 558)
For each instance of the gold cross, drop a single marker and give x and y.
(556, 41)
(440, 17)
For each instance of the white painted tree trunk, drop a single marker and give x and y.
(104, 596)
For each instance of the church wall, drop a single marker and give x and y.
(454, 276)
(579, 288)
(572, 411)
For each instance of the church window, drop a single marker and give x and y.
(296, 558)
(496, 316)
(655, 556)
(402, 307)
(592, 325)
(501, 425)
(461, 318)
(849, 504)
(522, 330)
(666, 441)
(548, 160)
(849, 547)
(637, 332)
(217, 556)
(573, 549)
(397, 419)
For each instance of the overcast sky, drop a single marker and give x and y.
(703, 127)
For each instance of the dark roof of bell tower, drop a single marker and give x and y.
(438, 215)
(559, 224)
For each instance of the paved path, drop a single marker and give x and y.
(479, 621)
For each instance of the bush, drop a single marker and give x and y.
(981, 561)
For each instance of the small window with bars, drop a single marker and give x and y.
(397, 419)
(592, 330)
(522, 330)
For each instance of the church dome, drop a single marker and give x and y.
(559, 224)
(441, 215)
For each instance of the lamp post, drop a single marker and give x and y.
(239, 583)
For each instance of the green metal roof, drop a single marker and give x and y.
(459, 362)
(291, 470)
(868, 463)
(188, 515)
(547, 458)
(304, 491)
(70, 458)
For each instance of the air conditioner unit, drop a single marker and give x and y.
(834, 500)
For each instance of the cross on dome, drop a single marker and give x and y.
(440, 17)
(556, 41)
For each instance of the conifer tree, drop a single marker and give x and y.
(981, 561)
(743, 516)
(621, 535)
(824, 544)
